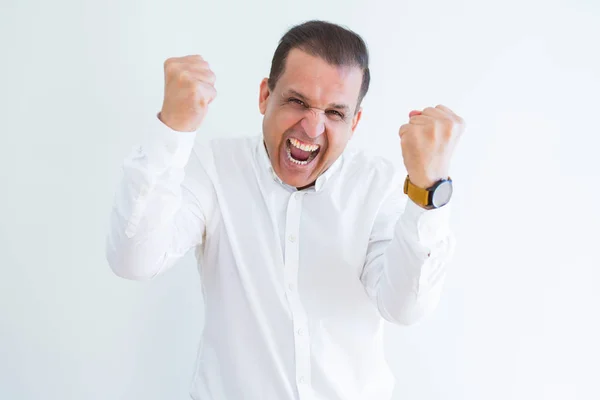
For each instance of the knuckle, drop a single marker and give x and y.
(202, 91)
(211, 77)
(448, 134)
(194, 61)
(202, 98)
(447, 128)
(169, 64)
(197, 89)
(429, 132)
(198, 94)
(195, 58)
(183, 75)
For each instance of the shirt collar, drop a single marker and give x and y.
(265, 164)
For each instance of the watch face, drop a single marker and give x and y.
(442, 194)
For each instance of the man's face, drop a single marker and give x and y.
(309, 117)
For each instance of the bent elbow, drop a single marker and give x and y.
(406, 318)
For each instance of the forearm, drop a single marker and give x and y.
(154, 219)
(414, 265)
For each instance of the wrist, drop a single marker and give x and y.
(431, 195)
(425, 182)
(175, 125)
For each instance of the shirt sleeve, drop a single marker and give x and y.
(161, 205)
(407, 257)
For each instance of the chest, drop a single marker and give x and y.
(312, 242)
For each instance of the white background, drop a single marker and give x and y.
(519, 318)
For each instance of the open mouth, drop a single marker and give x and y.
(300, 153)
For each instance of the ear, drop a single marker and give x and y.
(355, 120)
(264, 94)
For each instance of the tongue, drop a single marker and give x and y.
(299, 154)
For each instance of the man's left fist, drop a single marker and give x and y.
(428, 141)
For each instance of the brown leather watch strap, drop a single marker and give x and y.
(416, 194)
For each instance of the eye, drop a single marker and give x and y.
(299, 102)
(337, 114)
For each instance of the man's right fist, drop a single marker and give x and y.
(189, 89)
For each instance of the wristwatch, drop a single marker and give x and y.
(436, 196)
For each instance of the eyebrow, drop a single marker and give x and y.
(337, 106)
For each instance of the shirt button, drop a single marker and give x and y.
(291, 287)
(301, 332)
(292, 238)
(302, 380)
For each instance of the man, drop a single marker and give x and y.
(304, 247)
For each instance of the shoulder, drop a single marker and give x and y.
(227, 143)
(209, 148)
(219, 155)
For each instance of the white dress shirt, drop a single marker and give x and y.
(296, 284)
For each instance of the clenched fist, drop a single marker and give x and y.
(428, 141)
(189, 89)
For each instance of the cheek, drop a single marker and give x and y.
(282, 122)
(275, 125)
(337, 140)
(285, 121)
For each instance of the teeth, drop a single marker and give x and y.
(305, 147)
(292, 159)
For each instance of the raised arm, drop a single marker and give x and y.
(165, 197)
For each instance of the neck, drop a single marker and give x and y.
(306, 187)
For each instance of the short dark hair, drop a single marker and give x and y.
(333, 43)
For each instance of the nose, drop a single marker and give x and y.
(313, 123)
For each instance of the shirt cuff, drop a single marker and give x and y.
(167, 147)
(428, 226)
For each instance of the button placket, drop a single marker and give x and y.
(292, 252)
